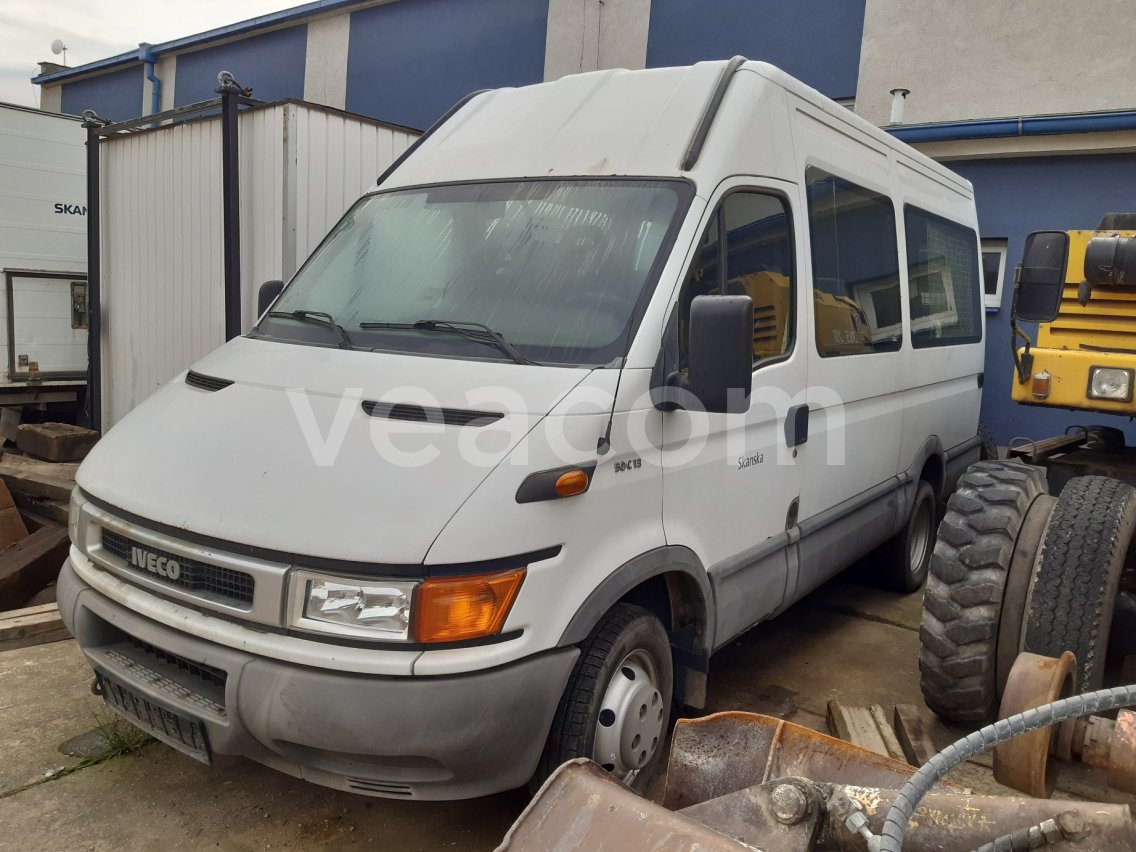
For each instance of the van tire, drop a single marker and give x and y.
(1077, 574)
(962, 604)
(625, 632)
(904, 570)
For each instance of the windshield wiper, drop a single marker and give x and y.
(316, 318)
(475, 331)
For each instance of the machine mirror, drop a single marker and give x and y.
(267, 294)
(1041, 279)
(721, 352)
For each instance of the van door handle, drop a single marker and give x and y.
(797, 425)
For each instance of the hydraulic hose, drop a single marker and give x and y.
(901, 811)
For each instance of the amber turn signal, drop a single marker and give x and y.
(1041, 384)
(571, 483)
(453, 609)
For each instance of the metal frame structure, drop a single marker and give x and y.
(231, 98)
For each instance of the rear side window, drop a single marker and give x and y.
(855, 256)
(944, 279)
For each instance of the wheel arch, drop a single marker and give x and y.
(930, 464)
(672, 583)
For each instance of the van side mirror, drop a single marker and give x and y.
(721, 352)
(1041, 277)
(267, 294)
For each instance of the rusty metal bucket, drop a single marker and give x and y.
(718, 754)
(742, 781)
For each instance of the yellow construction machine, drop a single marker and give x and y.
(1035, 552)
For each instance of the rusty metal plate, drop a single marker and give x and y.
(725, 752)
(1024, 762)
(581, 807)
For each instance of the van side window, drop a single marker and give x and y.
(751, 235)
(942, 271)
(855, 255)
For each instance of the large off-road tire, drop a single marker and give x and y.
(617, 705)
(962, 605)
(1077, 574)
(905, 558)
(987, 447)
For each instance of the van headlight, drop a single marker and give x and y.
(377, 609)
(437, 609)
(1110, 383)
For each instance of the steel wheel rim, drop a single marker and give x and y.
(629, 727)
(919, 543)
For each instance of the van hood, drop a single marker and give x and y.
(287, 457)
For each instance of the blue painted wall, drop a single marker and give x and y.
(817, 41)
(1015, 197)
(272, 64)
(410, 61)
(117, 95)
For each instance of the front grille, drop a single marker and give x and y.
(202, 671)
(383, 788)
(233, 587)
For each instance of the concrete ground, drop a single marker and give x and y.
(844, 642)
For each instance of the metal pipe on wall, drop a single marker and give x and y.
(94, 402)
(231, 92)
(146, 55)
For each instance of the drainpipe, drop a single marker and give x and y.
(1040, 125)
(146, 55)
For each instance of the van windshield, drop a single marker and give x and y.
(558, 271)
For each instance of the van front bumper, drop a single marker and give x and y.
(450, 737)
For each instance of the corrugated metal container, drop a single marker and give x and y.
(43, 254)
(163, 294)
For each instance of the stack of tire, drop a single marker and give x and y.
(1016, 569)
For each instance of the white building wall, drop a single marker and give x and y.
(967, 59)
(325, 63)
(162, 228)
(591, 35)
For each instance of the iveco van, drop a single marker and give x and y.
(604, 373)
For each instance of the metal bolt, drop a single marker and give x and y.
(1072, 825)
(789, 804)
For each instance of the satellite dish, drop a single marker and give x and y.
(57, 46)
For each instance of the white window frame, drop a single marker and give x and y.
(993, 301)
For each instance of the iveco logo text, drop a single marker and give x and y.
(154, 563)
(71, 209)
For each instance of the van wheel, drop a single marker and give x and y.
(617, 705)
(1077, 575)
(908, 553)
(965, 605)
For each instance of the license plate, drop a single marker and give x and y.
(181, 732)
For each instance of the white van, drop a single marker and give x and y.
(606, 372)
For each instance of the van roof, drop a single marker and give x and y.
(613, 123)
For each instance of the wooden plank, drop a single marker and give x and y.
(57, 470)
(22, 628)
(866, 727)
(57, 442)
(29, 565)
(12, 527)
(23, 481)
(42, 509)
(911, 729)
